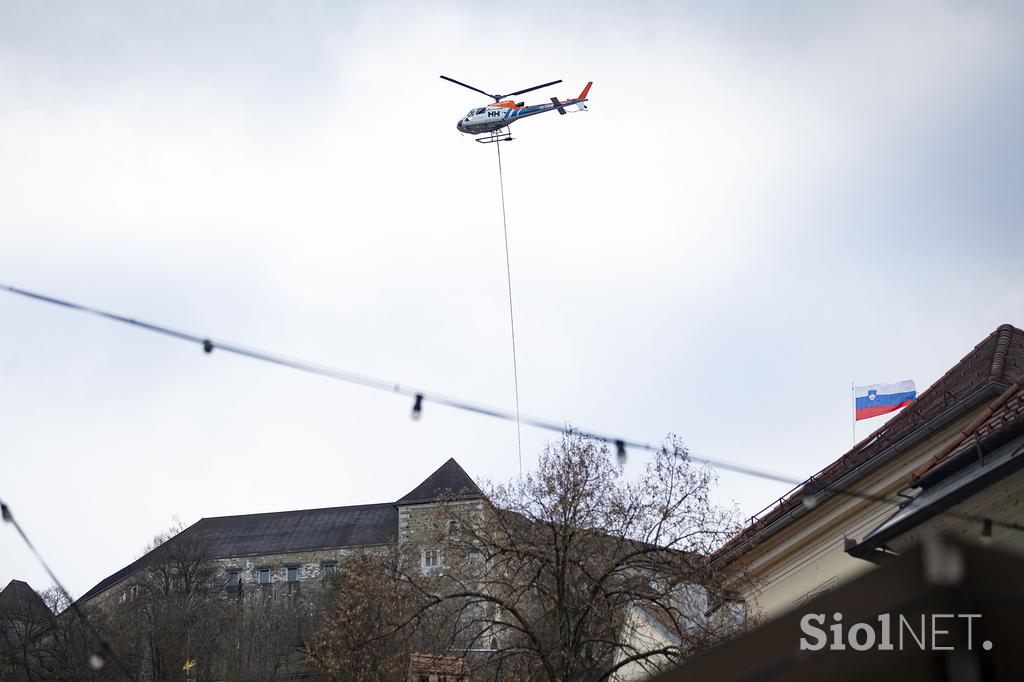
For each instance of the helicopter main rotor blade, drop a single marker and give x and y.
(520, 92)
(494, 97)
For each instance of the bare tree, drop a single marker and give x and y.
(574, 573)
(371, 618)
(46, 641)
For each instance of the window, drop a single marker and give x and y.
(263, 576)
(431, 558)
(122, 598)
(234, 578)
(330, 568)
(9, 633)
(133, 592)
(479, 111)
(291, 574)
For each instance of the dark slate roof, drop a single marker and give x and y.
(19, 599)
(305, 529)
(450, 481)
(296, 531)
(277, 533)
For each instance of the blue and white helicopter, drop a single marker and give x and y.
(493, 120)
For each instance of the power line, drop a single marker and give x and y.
(420, 396)
(511, 317)
(98, 658)
(812, 489)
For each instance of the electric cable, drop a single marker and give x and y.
(98, 658)
(812, 490)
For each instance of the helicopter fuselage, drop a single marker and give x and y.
(497, 116)
(493, 117)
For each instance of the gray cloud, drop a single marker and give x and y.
(760, 207)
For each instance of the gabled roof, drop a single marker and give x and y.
(19, 599)
(987, 450)
(995, 364)
(301, 530)
(277, 533)
(449, 482)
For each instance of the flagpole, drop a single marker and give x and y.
(853, 423)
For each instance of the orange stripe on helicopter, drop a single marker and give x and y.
(510, 104)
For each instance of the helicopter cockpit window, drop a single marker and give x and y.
(471, 112)
(478, 111)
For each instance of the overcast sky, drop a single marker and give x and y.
(763, 205)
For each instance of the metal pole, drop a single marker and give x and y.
(853, 398)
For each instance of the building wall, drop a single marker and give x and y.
(808, 556)
(420, 525)
(641, 632)
(417, 524)
(310, 564)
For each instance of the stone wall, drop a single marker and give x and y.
(310, 564)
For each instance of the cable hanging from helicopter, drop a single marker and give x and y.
(494, 120)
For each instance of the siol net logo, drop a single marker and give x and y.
(929, 632)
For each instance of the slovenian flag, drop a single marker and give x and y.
(876, 399)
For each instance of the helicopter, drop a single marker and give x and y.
(493, 120)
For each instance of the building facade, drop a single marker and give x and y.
(950, 462)
(279, 554)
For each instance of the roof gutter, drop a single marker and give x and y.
(965, 433)
(911, 439)
(1006, 462)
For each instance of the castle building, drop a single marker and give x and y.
(282, 553)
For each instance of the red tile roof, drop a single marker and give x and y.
(1002, 420)
(995, 363)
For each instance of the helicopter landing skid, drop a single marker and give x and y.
(502, 135)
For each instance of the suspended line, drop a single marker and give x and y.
(209, 344)
(511, 317)
(812, 490)
(104, 646)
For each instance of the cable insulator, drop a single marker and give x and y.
(417, 407)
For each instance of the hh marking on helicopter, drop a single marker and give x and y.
(493, 120)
